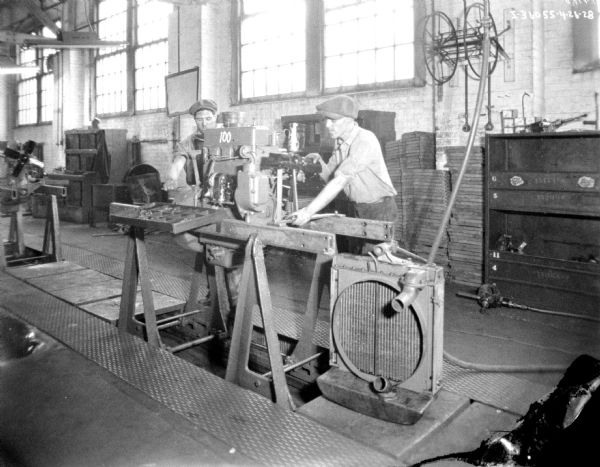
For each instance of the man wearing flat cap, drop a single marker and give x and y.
(356, 166)
(189, 151)
(188, 155)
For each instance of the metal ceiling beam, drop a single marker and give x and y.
(34, 7)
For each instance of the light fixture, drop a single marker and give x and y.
(9, 67)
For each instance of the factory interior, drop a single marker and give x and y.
(185, 281)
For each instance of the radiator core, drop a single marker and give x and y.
(370, 339)
(377, 340)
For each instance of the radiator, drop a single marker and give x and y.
(372, 340)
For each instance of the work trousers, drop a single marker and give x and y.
(384, 210)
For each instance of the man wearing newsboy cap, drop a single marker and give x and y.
(356, 166)
(187, 154)
(188, 151)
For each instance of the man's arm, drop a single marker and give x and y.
(173, 172)
(315, 157)
(326, 196)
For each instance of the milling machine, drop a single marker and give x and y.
(238, 168)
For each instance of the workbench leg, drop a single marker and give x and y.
(52, 243)
(147, 299)
(128, 288)
(2, 256)
(192, 301)
(221, 309)
(136, 268)
(306, 347)
(16, 230)
(254, 295)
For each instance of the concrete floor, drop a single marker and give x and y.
(500, 337)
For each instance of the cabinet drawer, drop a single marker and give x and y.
(568, 276)
(559, 181)
(557, 202)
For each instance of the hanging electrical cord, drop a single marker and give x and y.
(472, 134)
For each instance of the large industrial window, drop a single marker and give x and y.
(273, 47)
(323, 46)
(111, 63)
(131, 77)
(368, 42)
(151, 54)
(35, 89)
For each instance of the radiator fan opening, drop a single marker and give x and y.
(371, 338)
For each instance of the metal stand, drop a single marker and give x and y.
(18, 252)
(52, 243)
(136, 269)
(254, 294)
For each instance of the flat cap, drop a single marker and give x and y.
(203, 104)
(338, 107)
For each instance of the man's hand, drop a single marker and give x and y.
(170, 184)
(301, 217)
(313, 157)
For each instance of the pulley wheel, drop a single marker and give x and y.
(473, 40)
(440, 47)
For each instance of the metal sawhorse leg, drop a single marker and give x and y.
(136, 270)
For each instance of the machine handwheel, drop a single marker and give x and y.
(473, 40)
(440, 47)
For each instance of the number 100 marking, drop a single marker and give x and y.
(225, 137)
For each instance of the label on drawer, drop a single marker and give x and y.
(586, 182)
(516, 181)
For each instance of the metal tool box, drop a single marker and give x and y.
(542, 219)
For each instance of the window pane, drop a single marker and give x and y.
(47, 97)
(27, 57)
(112, 23)
(405, 61)
(111, 84)
(273, 47)
(27, 102)
(366, 67)
(151, 69)
(151, 53)
(373, 40)
(349, 69)
(384, 65)
(153, 21)
(248, 84)
(333, 77)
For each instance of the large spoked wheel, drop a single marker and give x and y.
(473, 41)
(440, 47)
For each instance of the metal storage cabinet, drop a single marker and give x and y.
(542, 219)
(81, 147)
(82, 169)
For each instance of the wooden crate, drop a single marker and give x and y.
(77, 206)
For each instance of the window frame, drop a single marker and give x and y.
(130, 50)
(38, 77)
(315, 61)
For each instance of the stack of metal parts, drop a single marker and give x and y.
(465, 229)
(415, 150)
(428, 192)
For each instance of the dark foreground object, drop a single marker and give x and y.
(559, 429)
